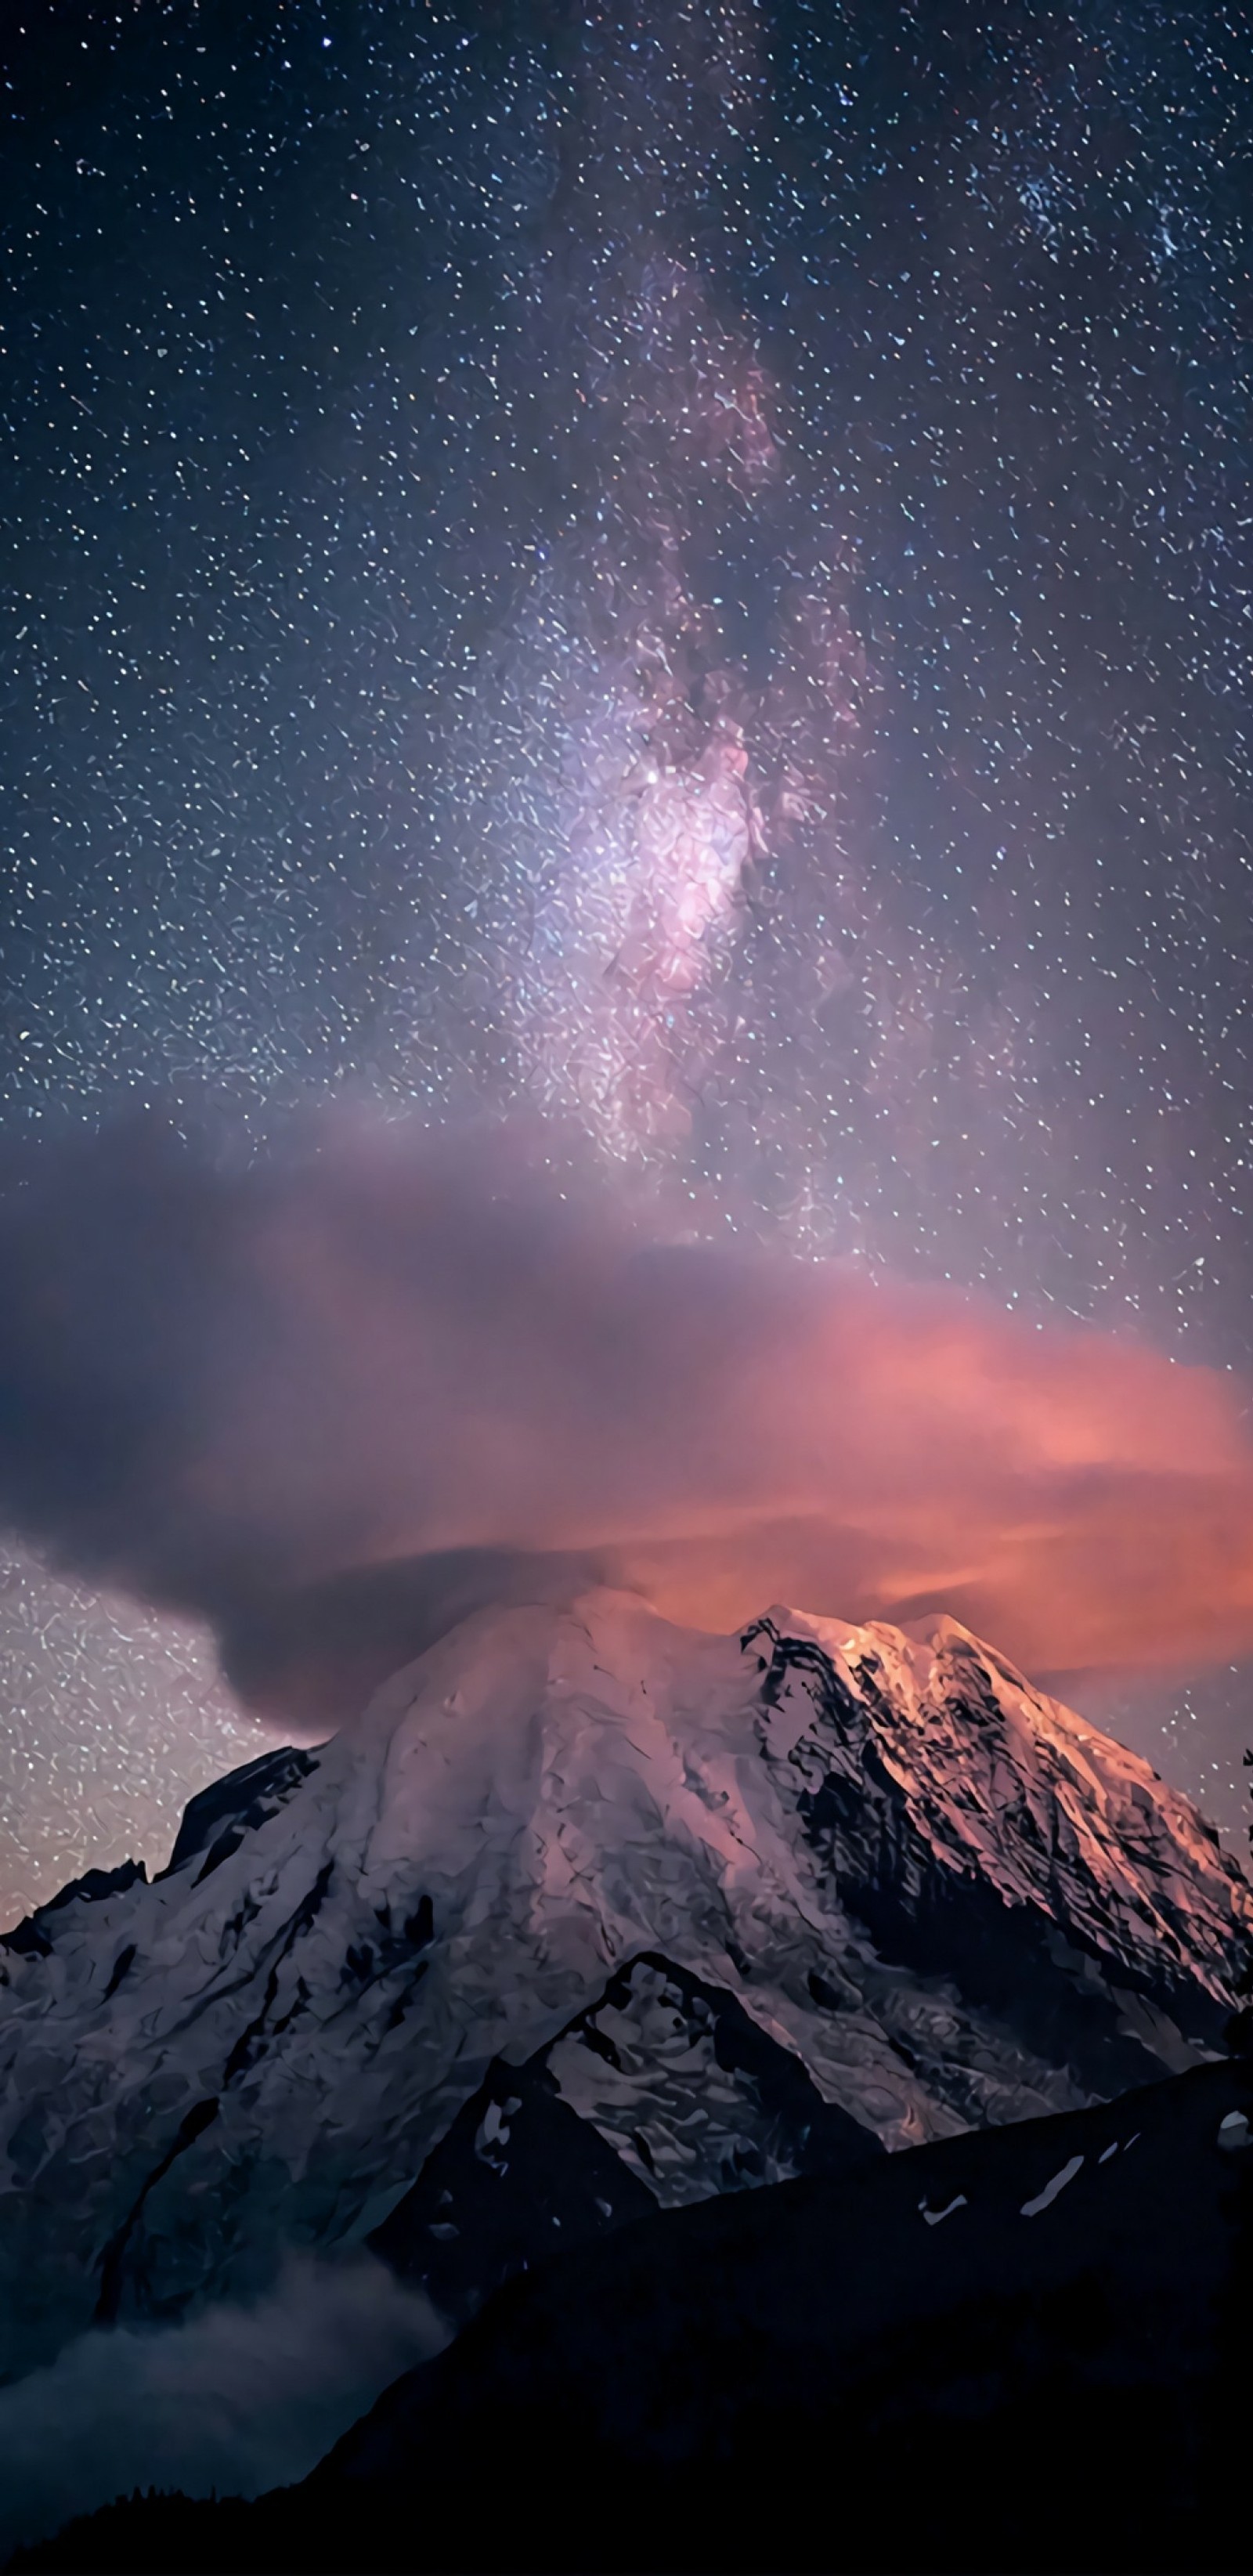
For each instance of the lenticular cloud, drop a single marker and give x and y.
(220, 1385)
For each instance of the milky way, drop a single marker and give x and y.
(690, 567)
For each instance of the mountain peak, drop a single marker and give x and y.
(1003, 1778)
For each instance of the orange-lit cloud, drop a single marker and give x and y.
(218, 1388)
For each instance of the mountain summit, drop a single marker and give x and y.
(589, 1913)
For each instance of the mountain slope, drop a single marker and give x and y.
(1020, 2348)
(946, 1896)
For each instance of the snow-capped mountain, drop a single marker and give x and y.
(719, 1910)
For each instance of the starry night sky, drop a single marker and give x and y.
(690, 567)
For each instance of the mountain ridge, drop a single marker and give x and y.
(1042, 2325)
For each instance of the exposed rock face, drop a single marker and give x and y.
(808, 1885)
(663, 2092)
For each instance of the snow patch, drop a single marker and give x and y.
(934, 2216)
(1045, 2199)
